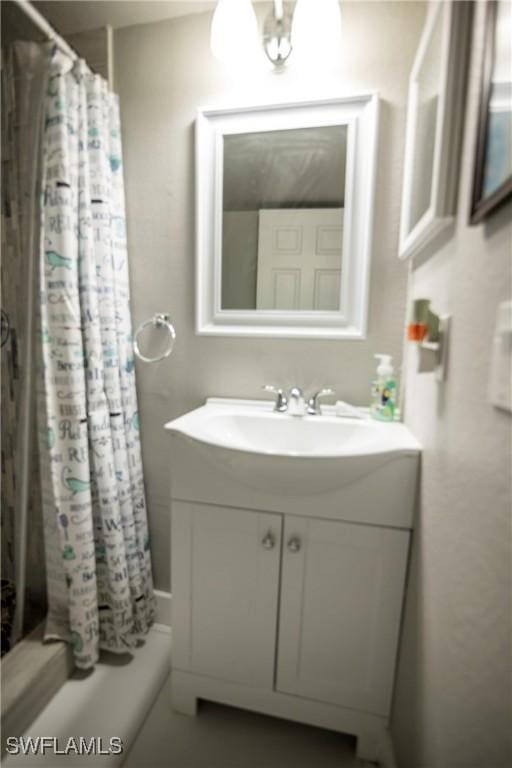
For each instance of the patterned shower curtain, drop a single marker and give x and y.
(100, 592)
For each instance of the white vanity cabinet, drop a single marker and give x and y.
(283, 606)
(289, 546)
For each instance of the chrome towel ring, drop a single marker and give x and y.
(159, 320)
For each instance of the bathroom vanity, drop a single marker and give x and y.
(290, 540)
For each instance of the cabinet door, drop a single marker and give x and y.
(225, 579)
(341, 600)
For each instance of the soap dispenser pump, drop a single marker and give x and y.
(383, 403)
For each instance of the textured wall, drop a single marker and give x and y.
(452, 705)
(163, 73)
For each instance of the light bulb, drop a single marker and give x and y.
(316, 32)
(234, 32)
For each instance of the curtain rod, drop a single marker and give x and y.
(40, 21)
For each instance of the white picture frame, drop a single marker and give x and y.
(360, 114)
(434, 155)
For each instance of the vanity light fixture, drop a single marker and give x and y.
(277, 34)
(309, 28)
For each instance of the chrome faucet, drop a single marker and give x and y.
(313, 408)
(296, 404)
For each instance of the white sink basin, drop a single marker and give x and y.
(243, 454)
(254, 427)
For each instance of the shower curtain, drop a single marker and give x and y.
(98, 564)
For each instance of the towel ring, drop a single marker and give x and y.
(157, 321)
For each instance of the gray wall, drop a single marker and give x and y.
(163, 72)
(452, 705)
(17, 26)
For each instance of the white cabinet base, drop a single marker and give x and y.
(184, 697)
(370, 730)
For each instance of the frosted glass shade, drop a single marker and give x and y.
(316, 32)
(234, 32)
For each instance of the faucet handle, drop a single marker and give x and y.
(281, 403)
(313, 404)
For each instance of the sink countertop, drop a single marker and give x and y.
(253, 426)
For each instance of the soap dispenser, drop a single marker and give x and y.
(383, 403)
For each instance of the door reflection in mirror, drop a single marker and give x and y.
(282, 224)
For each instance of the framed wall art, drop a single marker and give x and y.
(492, 183)
(435, 113)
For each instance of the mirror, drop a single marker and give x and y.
(428, 85)
(284, 218)
(435, 109)
(282, 223)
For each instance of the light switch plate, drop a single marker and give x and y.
(500, 374)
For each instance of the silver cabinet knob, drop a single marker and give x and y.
(294, 544)
(268, 541)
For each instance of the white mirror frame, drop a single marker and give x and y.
(456, 22)
(360, 114)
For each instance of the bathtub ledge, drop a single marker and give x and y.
(32, 673)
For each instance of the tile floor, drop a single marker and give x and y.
(114, 700)
(224, 737)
